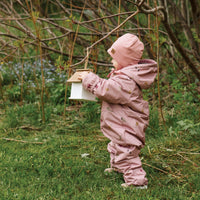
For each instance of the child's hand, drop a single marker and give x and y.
(82, 75)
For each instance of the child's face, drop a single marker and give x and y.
(115, 64)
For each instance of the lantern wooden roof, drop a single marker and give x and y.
(74, 77)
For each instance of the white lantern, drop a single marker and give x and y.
(77, 90)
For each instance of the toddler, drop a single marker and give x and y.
(124, 113)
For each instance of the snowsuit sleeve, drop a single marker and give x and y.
(116, 89)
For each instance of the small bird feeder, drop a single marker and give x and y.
(77, 90)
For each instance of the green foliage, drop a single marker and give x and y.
(21, 115)
(14, 93)
(7, 75)
(54, 82)
(28, 114)
(91, 111)
(154, 130)
(58, 94)
(189, 126)
(195, 35)
(60, 64)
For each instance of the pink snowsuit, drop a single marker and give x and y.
(124, 113)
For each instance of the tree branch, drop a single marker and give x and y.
(173, 38)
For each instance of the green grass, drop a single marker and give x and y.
(65, 159)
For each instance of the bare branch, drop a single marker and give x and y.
(103, 38)
(172, 36)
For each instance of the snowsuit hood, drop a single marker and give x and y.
(143, 73)
(126, 50)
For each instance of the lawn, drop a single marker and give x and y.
(66, 157)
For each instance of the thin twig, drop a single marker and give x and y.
(191, 153)
(103, 38)
(187, 159)
(161, 170)
(22, 141)
(105, 17)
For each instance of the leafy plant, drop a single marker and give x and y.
(22, 115)
(91, 111)
(14, 93)
(58, 94)
(189, 126)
